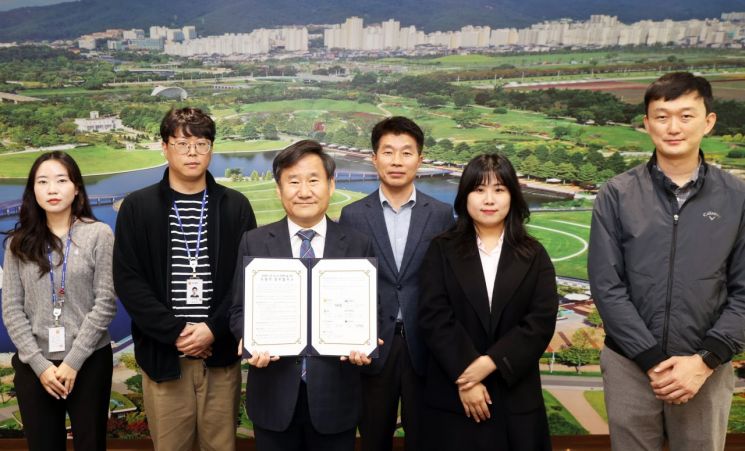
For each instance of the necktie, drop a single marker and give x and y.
(306, 252)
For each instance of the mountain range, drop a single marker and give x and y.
(72, 19)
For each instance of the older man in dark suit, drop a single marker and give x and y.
(320, 408)
(402, 222)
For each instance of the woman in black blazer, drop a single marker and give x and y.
(487, 311)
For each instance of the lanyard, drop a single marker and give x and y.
(57, 302)
(192, 261)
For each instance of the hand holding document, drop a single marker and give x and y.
(336, 301)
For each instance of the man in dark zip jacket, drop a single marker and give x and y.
(667, 271)
(174, 257)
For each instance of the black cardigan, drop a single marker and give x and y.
(142, 273)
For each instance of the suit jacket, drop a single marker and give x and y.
(458, 325)
(429, 218)
(334, 387)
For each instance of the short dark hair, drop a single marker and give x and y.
(296, 152)
(675, 84)
(191, 122)
(397, 125)
(479, 171)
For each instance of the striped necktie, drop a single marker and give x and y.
(306, 252)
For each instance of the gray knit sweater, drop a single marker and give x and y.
(89, 307)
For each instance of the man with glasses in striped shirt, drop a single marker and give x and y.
(174, 258)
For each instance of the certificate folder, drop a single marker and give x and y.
(324, 306)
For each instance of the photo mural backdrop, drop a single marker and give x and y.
(561, 99)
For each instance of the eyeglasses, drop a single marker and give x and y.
(183, 147)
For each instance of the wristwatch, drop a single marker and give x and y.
(710, 359)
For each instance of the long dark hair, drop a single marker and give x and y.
(31, 235)
(478, 171)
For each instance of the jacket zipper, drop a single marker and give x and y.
(669, 300)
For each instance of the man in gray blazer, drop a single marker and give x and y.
(402, 222)
(299, 404)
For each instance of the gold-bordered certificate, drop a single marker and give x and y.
(332, 306)
(275, 317)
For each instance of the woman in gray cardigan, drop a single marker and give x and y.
(58, 300)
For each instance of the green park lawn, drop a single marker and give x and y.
(48, 92)
(565, 236)
(596, 400)
(268, 208)
(560, 421)
(258, 145)
(97, 159)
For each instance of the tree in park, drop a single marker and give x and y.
(530, 166)
(587, 173)
(462, 149)
(364, 79)
(561, 131)
(429, 141)
(250, 131)
(254, 175)
(445, 144)
(604, 175)
(546, 170)
(615, 163)
(233, 173)
(270, 132)
(467, 118)
(462, 98)
(595, 158)
(576, 357)
(566, 171)
(580, 353)
(432, 101)
(541, 152)
(559, 155)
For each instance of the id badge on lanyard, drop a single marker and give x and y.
(194, 285)
(57, 332)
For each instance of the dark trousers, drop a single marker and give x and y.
(381, 393)
(88, 406)
(301, 435)
(503, 431)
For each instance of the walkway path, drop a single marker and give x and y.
(574, 400)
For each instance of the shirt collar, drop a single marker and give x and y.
(497, 248)
(697, 177)
(319, 228)
(384, 200)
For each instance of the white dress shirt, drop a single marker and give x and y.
(317, 243)
(489, 264)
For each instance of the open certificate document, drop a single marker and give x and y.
(330, 309)
(275, 317)
(344, 308)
